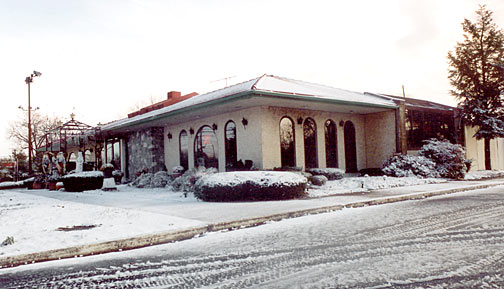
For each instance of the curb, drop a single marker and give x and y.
(170, 237)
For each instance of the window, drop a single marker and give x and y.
(422, 125)
(310, 143)
(206, 150)
(184, 150)
(230, 145)
(350, 147)
(287, 143)
(331, 144)
(72, 157)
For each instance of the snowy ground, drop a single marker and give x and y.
(40, 220)
(453, 241)
(364, 184)
(40, 223)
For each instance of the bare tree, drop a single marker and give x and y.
(41, 125)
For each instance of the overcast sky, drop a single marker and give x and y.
(100, 58)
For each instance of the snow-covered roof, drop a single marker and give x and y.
(268, 85)
(418, 103)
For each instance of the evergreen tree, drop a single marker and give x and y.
(477, 75)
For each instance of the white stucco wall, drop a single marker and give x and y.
(271, 136)
(259, 140)
(248, 137)
(380, 137)
(475, 151)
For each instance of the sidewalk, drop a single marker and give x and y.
(134, 218)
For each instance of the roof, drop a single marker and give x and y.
(419, 103)
(266, 85)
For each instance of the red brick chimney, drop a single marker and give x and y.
(174, 95)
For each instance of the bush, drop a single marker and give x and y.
(449, 158)
(185, 182)
(143, 181)
(83, 181)
(330, 173)
(160, 179)
(400, 165)
(250, 186)
(318, 180)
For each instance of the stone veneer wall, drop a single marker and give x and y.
(145, 150)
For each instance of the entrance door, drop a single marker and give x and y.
(350, 148)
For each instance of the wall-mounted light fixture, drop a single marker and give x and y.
(214, 126)
(169, 136)
(341, 123)
(300, 120)
(244, 122)
(191, 131)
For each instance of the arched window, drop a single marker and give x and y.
(287, 142)
(331, 144)
(206, 150)
(184, 149)
(350, 148)
(87, 156)
(72, 157)
(310, 143)
(230, 145)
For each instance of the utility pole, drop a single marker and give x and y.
(29, 80)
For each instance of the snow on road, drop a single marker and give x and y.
(453, 241)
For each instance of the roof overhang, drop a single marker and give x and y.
(243, 100)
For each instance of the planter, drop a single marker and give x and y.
(38, 186)
(107, 172)
(51, 186)
(83, 181)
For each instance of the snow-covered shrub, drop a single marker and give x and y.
(11, 185)
(178, 170)
(185, 183)
(319, 180)
(449, 158)
(83, 181)
(117, 175)
(250, 186)
(330, 173)
(400, 165)
(160, 179)
(143, 181)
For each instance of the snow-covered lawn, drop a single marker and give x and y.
(364, 184)
(39, 223)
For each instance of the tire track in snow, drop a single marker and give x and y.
(473, 226)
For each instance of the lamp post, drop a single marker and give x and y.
(29, 80)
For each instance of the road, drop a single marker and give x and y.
(443, 242)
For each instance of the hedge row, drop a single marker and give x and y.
(250, 186)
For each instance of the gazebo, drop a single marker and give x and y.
(73, 137)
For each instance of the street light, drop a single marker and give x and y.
(29, 80)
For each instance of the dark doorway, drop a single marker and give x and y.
(331, 144)
(350, 148)
(310, 143)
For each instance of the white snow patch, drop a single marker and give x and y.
(34, 220)
(91, 174)
(478, 175)
(364, 184)
(264, 178)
